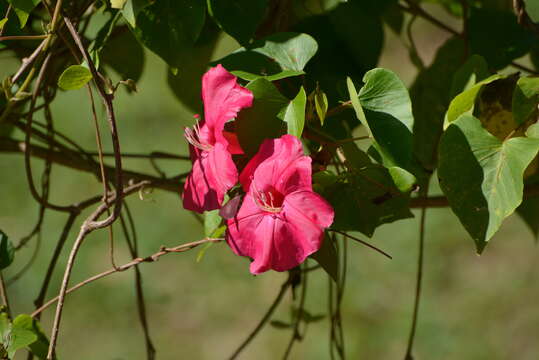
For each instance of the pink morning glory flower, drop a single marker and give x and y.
(211, 148)
(281, 220)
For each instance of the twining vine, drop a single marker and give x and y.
(295, 108)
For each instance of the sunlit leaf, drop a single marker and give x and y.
(294, 114)
(482, 176)
(74, 77)
(275, 57)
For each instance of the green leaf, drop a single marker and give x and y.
(294, 114)
(23, 8)
(464, 102)
(321, 105)
(402, 178)
(327, 257)
(25, 324)
(525, 99)
(430, 94)
(113, 55)
(275, 57)
(350, 40)
(366, 196)
(117, 4)
(388, 111)
(21, 335)
(169, 28)
(212, 221)
(356, 104)
(497, 36)
(131, 10)
(7, 252)
(186, 84)
(74, 77)
(5, 328)
(394, 18)
(532, 8)
(482, 175)
(238, 18)
(471, 72)
(2, 23)
(260, 121)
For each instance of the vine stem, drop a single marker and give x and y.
(419, 279)
(264, 319)
(134, 262)
(3, 294)
(362, 242)
(88, 226)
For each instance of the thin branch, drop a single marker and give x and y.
(295, 331)
(132, 244)
(54, 260)
(76, 160)
(90, 224)
(3, 295)
(107, 100)
(419, 278)
(263, 321)
(134, 262)
(23, 37)
(362, 242)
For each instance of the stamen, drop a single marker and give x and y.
(193, 137)
(261, 200)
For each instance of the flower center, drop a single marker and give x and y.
(269, 200)
(193, 137)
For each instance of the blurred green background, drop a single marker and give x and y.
(472, 307)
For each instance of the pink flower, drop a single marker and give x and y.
(281, 220)
(214, 172)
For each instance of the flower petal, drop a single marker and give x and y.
(280, 241)
(223, 98)
(213, 174)
(277, 155)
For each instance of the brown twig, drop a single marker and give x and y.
(134, 262)
(132, 244)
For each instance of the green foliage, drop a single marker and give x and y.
(328, 258)
(131, 9)
(532, 9)
(482, 176)
(498, 37)
(23, 8)
(7, 252)
(464, 102)
(260, 121)
(388, 111)
(170, 28)
(365, 197)
(525, 99)
(275, 57)
(227, 13)
(431, 94)
(74, 77)
(23, 333)
(294, 115)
